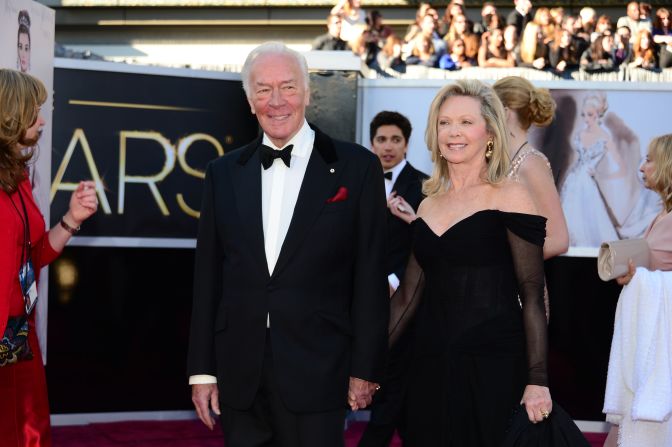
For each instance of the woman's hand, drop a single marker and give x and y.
(625, 279)
(83, 203)
(400, 208)
(538, 403)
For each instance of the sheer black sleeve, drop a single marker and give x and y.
(526, 237)
(405, 300)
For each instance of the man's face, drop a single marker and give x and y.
(523, 5)
(389, 145)
(278, 96)
(334, 26)
(633, 10)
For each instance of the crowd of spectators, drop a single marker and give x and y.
(544, 39)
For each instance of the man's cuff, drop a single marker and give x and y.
(202, 379)
(393, 280)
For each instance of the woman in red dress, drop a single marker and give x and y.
(25, 247)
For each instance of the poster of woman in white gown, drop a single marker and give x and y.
(596, 154)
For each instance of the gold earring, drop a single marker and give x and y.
(489, 147)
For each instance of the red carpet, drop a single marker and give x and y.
(180, 434)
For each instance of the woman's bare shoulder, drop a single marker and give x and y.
(513, 196)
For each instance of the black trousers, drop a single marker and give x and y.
(268, 423)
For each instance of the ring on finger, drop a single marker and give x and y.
(544, 414)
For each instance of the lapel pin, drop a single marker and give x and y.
(332, 170)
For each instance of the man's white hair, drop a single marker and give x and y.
(272, 48)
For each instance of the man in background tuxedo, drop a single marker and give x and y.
(390, 133)
(520, 16)
(290, 311)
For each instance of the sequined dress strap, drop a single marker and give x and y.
(517, 162)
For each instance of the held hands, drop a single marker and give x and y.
(400, 208)
(625, 279)
(83, 204)
(206, 396)
(361, 393)
(537, 401)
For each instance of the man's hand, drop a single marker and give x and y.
(206, 396)
(361, 393)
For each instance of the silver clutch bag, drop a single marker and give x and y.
(612, 260)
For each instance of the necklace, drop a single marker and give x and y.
(516, 154)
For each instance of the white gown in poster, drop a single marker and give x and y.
(581, 199)
(601, 195)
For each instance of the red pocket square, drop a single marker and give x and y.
(341, 195)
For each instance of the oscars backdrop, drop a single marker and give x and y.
(27, 44)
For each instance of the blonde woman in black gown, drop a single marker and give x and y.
(474, 283)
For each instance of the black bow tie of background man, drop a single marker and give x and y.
(388, 175)
(268, 155)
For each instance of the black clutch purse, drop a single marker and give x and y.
(559, 430)
(14, 345)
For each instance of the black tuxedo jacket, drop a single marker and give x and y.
(409, 186)
(327, 297)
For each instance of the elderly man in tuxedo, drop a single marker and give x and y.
(290, 311)
(390, 133)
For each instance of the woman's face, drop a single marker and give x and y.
(458, 47)
(590, 116)
(460, 23)
(34, 132)
(665, 20)
(496, 38)
(23, 48)
(648, 169)
(644, 42)
(461, 131)
(608, 43)
(544, 18)
(602, 26)
(565, 39)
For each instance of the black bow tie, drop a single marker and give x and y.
(388, 175)
(267, 155)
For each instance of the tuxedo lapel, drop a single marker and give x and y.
(247, 188)
(319, 183)
(405, 178)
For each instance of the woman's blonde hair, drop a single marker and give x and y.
(660, 151)
(532, 105)
(492, 112)
(21, 96)
(528, 42)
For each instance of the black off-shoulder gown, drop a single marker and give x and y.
(480, 334)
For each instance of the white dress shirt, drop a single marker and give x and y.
(395, 175)
(280, 186)
(392, 279)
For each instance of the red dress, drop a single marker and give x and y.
(24, 407)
